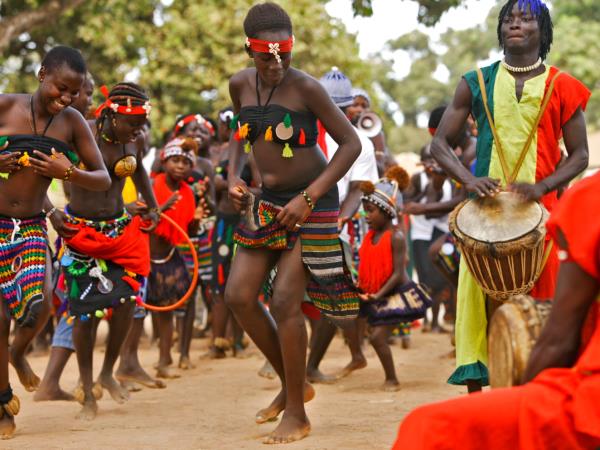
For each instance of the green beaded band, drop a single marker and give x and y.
(309, 201)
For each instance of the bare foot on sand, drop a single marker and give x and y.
(271, 412)
(267, 371)
(118, 393)
(140, 377)
(316, 376)
(290, 429)
(7, 426)
(130, 386)
(185, 363)
(166, 372)
(28, 379)
(45, 394)
(352, 366)
(390, 386)
(88, 410)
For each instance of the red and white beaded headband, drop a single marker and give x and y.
(128, 109)
(272, 47)
(174, 148)
(190, 118)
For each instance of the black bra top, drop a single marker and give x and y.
(22, 143)
(260, 118)
(246, 172)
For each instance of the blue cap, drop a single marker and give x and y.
(338, 86)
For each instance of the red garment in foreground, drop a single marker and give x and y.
(560, 408)
(131, 249)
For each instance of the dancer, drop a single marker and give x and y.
(294, 221)
(33, 154)
(557, 408)
(389, 297)
(515, 89)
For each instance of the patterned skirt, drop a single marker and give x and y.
(23, 246)
(169, 280)
(330, 286)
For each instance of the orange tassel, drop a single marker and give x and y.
(302, 137)
(237, 136)
(269, 134)
(244, 130)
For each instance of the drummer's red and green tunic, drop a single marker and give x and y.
(514, 120)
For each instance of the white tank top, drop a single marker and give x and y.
(422, 227)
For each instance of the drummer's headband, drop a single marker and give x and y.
(273, 47)
(128, 108)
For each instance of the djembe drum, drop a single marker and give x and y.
(501, 239)
(514, 329)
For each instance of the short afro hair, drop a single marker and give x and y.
(436, 116)
(61, 55)
(266, 17)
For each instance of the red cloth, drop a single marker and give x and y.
(131, 250)
(560, 408)
(376, 263)
(321, 137)
(182, 212)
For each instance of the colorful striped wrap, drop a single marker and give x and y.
(330, 286)
(23, 246)
(203, 244)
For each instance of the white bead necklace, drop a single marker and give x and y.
(510, 68)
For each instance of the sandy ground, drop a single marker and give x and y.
(213, 405)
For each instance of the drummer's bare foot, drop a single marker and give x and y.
(118, 393)
(139, 376)
(7, 426)
(316, 376)
(271, 412)
(291, 428)
(47, 393)
(88, 410)
(27, 377)
(391, 386)
(185, 363)
(267, 371)
(166, 372)
(353, 365)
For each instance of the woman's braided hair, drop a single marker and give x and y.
(124, 94)
(266, 17)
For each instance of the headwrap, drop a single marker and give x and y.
(338, 86)
(178, 147)
(386, 193)
(357, 92)
(128, 108)
(190, 118)
(273, 47)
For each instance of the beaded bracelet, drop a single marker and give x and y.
(69, 172)
(50, 212)
(309, 201)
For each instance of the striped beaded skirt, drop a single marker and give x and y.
(330, 287)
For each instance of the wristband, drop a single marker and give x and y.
(309, 201)
(50, 212)
(69, 172)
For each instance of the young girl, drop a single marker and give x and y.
(169, 278)
(389, 296)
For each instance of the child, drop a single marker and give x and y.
(169, 278)
(389, 296)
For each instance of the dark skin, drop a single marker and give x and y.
(521, 38)
(380, 222)
(284, 345)
(94, 205)
(23, 193)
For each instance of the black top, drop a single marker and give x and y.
(22, 143)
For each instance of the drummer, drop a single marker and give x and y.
(515, 88)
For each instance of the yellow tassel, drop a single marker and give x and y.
(247, 147)
(244, 130)
(24, 160)
(287, 151)
(70, 320)
(269, 134)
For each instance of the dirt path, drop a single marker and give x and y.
(213, 405)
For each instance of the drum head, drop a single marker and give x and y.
(502, 218)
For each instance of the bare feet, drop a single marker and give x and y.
(214, 353)
(405, 342)
(391, 386)
(45, 394)
(267, 371)
(185, 363)
(140, 377)
(290, 429)
(352, 366)
(130, 386)
(118, 393)
(165, 372)
(88, 410)
(271, 412)
(439, 329)
(7, 426)
(316, 376)
(28, 379)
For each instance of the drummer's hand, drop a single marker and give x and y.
(414, 209)
(528, 191)
(483, 186)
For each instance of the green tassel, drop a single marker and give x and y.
(74, 292)
(287, 120)
(247, 147)
(102, 265)
(72, 156)
(287, 151)
(234, 122)
(229, 236)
